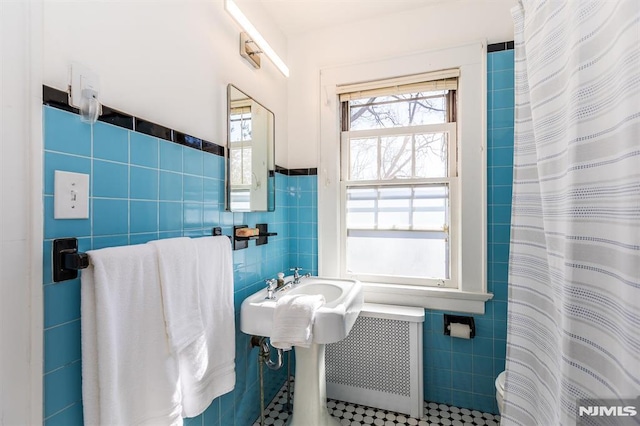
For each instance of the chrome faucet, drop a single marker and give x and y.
(296, 275)
(271, 287)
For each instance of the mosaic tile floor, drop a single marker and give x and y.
(348, 414)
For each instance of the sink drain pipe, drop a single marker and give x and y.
(265, 353)
(264, 358)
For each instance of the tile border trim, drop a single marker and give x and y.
(497, 47)
(297, 172)
(59, 99)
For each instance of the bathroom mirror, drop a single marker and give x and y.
(250, 154)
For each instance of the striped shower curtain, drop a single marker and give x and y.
(573, 345)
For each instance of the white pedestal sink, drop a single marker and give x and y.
(333, 323)
(310, 389)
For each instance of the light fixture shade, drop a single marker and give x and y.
(255, 36)
(89, 106)
(84, 91)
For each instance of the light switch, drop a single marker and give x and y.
(71, 195)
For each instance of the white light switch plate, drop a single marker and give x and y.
(71, 195)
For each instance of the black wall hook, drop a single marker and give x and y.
(67, 259)
(217, 231)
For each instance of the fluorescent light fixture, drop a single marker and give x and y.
(255, 36)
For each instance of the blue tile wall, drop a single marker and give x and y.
(302, 208)
(144, 188)
(462, 372)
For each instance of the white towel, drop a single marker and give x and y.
(178, 264)
(128, 373)
(293, 320)
(207, 367)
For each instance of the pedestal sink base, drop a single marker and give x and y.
(333, 321)
(310, 389)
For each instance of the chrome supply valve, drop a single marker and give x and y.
(271, 286)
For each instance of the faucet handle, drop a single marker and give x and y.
(271, 286)
(296, 270)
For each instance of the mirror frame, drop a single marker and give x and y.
(271, 166)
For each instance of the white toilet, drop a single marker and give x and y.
(500, 392)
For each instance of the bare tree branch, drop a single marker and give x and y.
(396, 155)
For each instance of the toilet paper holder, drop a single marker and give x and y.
(449, 319)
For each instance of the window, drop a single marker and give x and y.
(415, 180)
(399, 185)
(240, 148)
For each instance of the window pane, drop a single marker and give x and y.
(235, 158)
(240, 199)
(396, 153)
(431, 154)
(394, 207)
(363, 156)
(408, 257)
(240, 159)
(431, 207)
(246, 165)
(240, 127)
(416, 155)
(361, 208)
(417, 207)
(412, 109)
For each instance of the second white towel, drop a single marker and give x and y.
(207, 366)
(178, 267)
(293, 320)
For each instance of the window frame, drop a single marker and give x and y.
(470, 59)
(451, 180)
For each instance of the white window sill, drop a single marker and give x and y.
(445, 299)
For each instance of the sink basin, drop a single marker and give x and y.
(330, 291)
(343, 302)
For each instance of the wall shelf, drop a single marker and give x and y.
(262, 238)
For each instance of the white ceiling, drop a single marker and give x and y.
(297, 16)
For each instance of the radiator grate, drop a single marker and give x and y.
(375, 356)
(379, 364)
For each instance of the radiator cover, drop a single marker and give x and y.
(379, 364)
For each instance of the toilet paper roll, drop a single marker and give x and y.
(462, 331)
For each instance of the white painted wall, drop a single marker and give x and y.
(440, 25)
(20, 212)
(166, 61)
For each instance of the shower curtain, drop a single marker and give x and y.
(574, 267)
